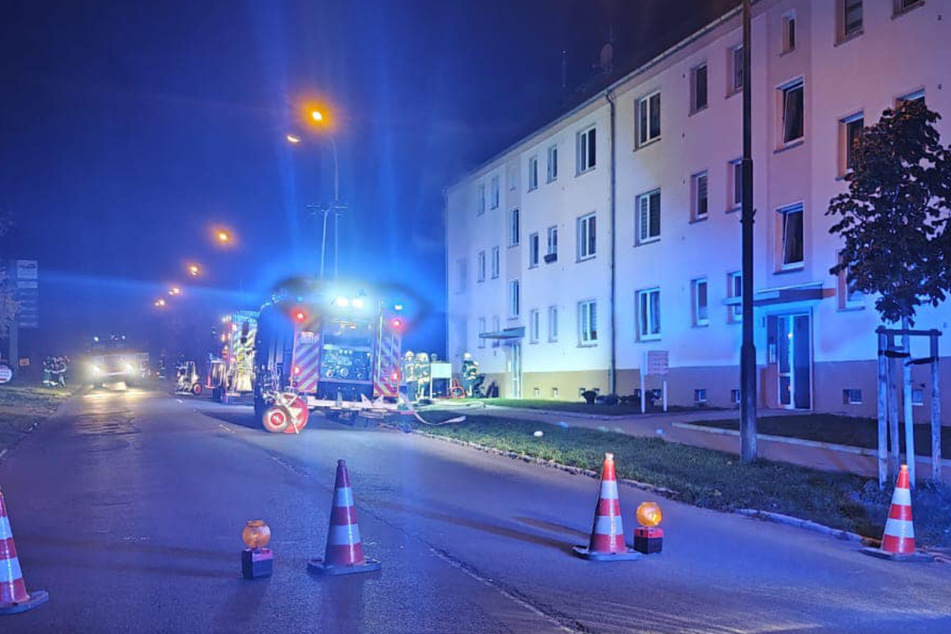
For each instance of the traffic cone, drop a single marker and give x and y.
(13, 595)
(344, 554)
(898, 543)
(607, 534)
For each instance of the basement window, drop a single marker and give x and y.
(700, 396)
(851, 396)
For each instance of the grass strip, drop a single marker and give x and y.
(577, 407)
(712, 479)
(21, 407)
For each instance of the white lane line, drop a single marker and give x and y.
(226, 428)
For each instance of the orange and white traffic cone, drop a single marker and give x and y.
(344, 554)
(607, 534)
(898, 543)
(13, 595)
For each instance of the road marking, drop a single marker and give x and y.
(290, 466)
(226, 428)
(3, 453)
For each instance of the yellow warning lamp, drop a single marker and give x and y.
(648, 514)
(256, 534)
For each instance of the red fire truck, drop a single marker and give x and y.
(339, 354)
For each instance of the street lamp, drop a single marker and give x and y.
(194, 270)
(160, 303)
(174, 291)
(319, 118)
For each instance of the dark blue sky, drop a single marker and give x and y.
(127, 128)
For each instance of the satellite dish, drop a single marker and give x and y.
(607, 57)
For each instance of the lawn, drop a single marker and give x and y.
(712, 479)
(841, 430)
(576, 407)
(21, 406)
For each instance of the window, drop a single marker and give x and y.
(552, 254)
(792, 236)
(533, 250)
(587, 236)
(495, 192)
(648, 314)
(513, 178)
(789, 32)
(495, 328)
(481, 332)
(700, 395)
(850, 18)
(480, 206)
(850, 133)
(735, 397)
(588, 323)
(701, 310)
(496, 262)
(917, 396)
(793, 116)
(735, 292)
(462, 271)
(480, 266)
(736, 69)
(698, 88)
(906, 5)
(918, 95)
(736, 179)
(514, 228)
(648, 119)
(552, 163)
(534, 325)
(514, 298)
(587, 149)
(554, 392)
(532, 173)
(849, 298)
(699, 196)
(552, 323)
(851, 396)
(648, 217)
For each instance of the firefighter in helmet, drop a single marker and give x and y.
(423, 374)
(470, 371)
(409, 374)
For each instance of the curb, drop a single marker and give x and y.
(809, 525)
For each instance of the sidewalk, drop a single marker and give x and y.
(668, 426)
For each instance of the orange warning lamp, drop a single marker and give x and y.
(256, 534)
(648, 514)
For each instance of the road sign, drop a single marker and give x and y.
(5, 373)
(28, 293)
(658, 362)
(27, 270)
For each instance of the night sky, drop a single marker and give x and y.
(129, 128)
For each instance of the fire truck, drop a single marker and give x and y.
(233, 375)
(337, 354)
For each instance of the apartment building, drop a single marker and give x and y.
(614, 230)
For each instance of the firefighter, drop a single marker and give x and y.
(409, 374)
(423, 373)
(470, 371)
(48, 371)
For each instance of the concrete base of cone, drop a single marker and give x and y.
(37, 598)
(318, 567)
(629, 554)
(884, 554)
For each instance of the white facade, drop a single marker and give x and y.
(662, 249)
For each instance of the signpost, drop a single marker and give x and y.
(657, 364)
(5, 373)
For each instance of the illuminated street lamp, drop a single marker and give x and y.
(194, 270)
(160, 303)
(174, 291)
(292, 138)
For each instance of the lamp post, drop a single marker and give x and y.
(748, 349)
(318, 118)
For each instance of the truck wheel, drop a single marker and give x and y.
(276, 419)
(197, 389)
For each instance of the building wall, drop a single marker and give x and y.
(894, 55)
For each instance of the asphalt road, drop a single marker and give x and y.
(128, 508)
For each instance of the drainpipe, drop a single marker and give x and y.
(612, 369)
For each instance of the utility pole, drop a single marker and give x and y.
(323, 209)
(748, 350)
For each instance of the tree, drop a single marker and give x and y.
(894, 218)
(8, 300)
(894, 221)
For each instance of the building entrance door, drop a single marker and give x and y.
(516, 370)
(794, 357)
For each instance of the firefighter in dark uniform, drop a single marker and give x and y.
(423, 373)
(409, 374)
